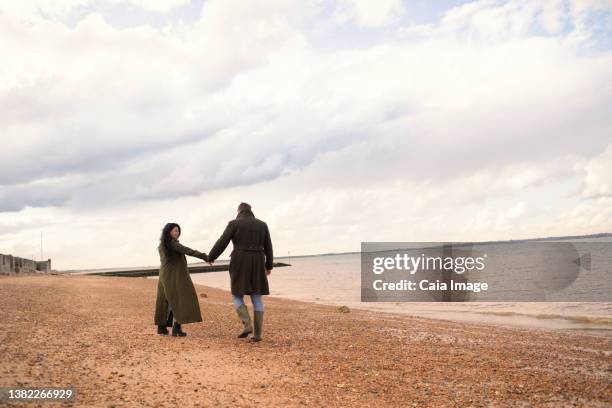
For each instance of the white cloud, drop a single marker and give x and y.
(307, 215)
(32, 10)
(598, 179)
(497, 113)
(368, 13)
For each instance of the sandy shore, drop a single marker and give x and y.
(97, 335)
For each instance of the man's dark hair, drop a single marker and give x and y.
(244, 207)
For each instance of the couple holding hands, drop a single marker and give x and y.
(249, 267)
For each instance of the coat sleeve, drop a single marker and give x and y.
(222, 242)
(182, 249)
(268, 250)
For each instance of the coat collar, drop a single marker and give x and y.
(245, 213)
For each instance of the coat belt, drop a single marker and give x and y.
(249, 248)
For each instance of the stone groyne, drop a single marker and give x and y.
(12, 264)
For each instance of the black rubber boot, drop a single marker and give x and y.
(162, 330)
(176, 330)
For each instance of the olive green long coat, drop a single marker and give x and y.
(175, 286)
(251, 256)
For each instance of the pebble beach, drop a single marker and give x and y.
(96, 334)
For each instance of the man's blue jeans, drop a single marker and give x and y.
(255, 299)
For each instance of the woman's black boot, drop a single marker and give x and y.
(176, 330)
(162, 330)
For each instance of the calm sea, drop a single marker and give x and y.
(336, 280)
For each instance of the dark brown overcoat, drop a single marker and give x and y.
(251, 256)
(175, 286)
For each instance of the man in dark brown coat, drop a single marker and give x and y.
(250, 265)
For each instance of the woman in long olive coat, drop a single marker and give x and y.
(176, 295)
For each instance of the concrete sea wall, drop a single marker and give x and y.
(12, 264)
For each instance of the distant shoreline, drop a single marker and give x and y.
(599, 235)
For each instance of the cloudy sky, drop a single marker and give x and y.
(340, 121)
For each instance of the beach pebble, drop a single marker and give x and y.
(344, 309)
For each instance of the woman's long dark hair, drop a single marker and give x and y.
(165, 237)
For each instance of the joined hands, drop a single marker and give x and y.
(205, 259)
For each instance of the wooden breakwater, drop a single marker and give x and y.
(134, 273)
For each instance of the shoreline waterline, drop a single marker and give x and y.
(335, 280)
